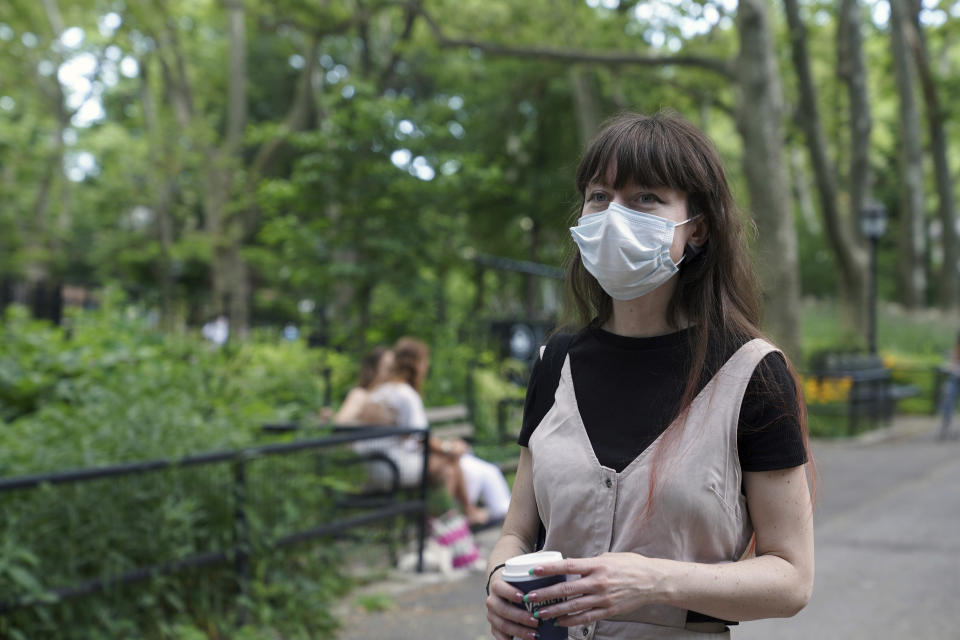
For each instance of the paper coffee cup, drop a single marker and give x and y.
(516, 571)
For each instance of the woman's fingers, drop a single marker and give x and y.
(512, 613)
(564, 590)
(505, 617)
(509, 627)
(505, 591)
(509, 630)
(570, 566)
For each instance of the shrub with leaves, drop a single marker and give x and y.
(109, 389)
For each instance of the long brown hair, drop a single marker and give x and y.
(717, 292)
(408, 356)
(370, 365)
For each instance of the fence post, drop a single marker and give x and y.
(853, 405)
(424, 483)
(241, 532)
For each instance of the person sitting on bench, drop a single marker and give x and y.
(467, 478)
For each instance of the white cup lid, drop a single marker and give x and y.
(518, 568)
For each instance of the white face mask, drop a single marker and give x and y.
(627, 251)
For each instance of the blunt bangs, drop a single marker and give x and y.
(662, 150)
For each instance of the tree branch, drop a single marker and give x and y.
(612, 58)
(297, 116)
(358, 18)
(387, 75)
(237, 78)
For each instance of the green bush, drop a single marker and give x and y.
(109, 389)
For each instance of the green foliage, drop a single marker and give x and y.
(911, 339)
(362, 203)
(172, 394)
(375, 602)
(110, 389)
(912, 345)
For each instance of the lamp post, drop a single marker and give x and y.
(873, 222)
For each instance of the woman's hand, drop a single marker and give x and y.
(507, 620)
(609, 585)
(450, 448)
(455, 447)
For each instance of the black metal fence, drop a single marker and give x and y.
(239, 552)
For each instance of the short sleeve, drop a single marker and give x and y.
(405, 402)
(533, 409)
(770, 436)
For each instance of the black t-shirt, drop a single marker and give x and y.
(629, 390)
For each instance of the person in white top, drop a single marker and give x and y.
(467, 478)
(375, 369)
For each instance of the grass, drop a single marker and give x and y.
(375, 602)
(909, 338)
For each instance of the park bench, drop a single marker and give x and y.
(446, 422)
(872, 393)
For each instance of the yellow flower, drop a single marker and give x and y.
(825, 390)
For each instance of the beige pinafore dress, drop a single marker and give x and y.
(698, 513)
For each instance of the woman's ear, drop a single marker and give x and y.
(697, 240)
(698, 237)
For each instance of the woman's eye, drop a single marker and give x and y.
(598, 196)
(648, 198)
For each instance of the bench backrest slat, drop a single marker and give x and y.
(462, 430)
(439, 415)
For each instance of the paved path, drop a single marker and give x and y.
(887, 541)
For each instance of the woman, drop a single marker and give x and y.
(466, 477)
(664, 454)
(375, 369)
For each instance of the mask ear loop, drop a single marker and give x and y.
(691, 251)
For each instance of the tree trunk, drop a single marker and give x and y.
(163, 201)
(233, 268)
(938, 147)
(53, 173)
(851, 263)
(853, 73)
(214, 202)
(758, 115)
(584, 104)
(163, 181)
(803, 192)
(912, 232)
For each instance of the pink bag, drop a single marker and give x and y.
(452, 530)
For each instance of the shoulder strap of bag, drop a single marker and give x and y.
(554, 353)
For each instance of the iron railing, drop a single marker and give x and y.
(240, 552)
